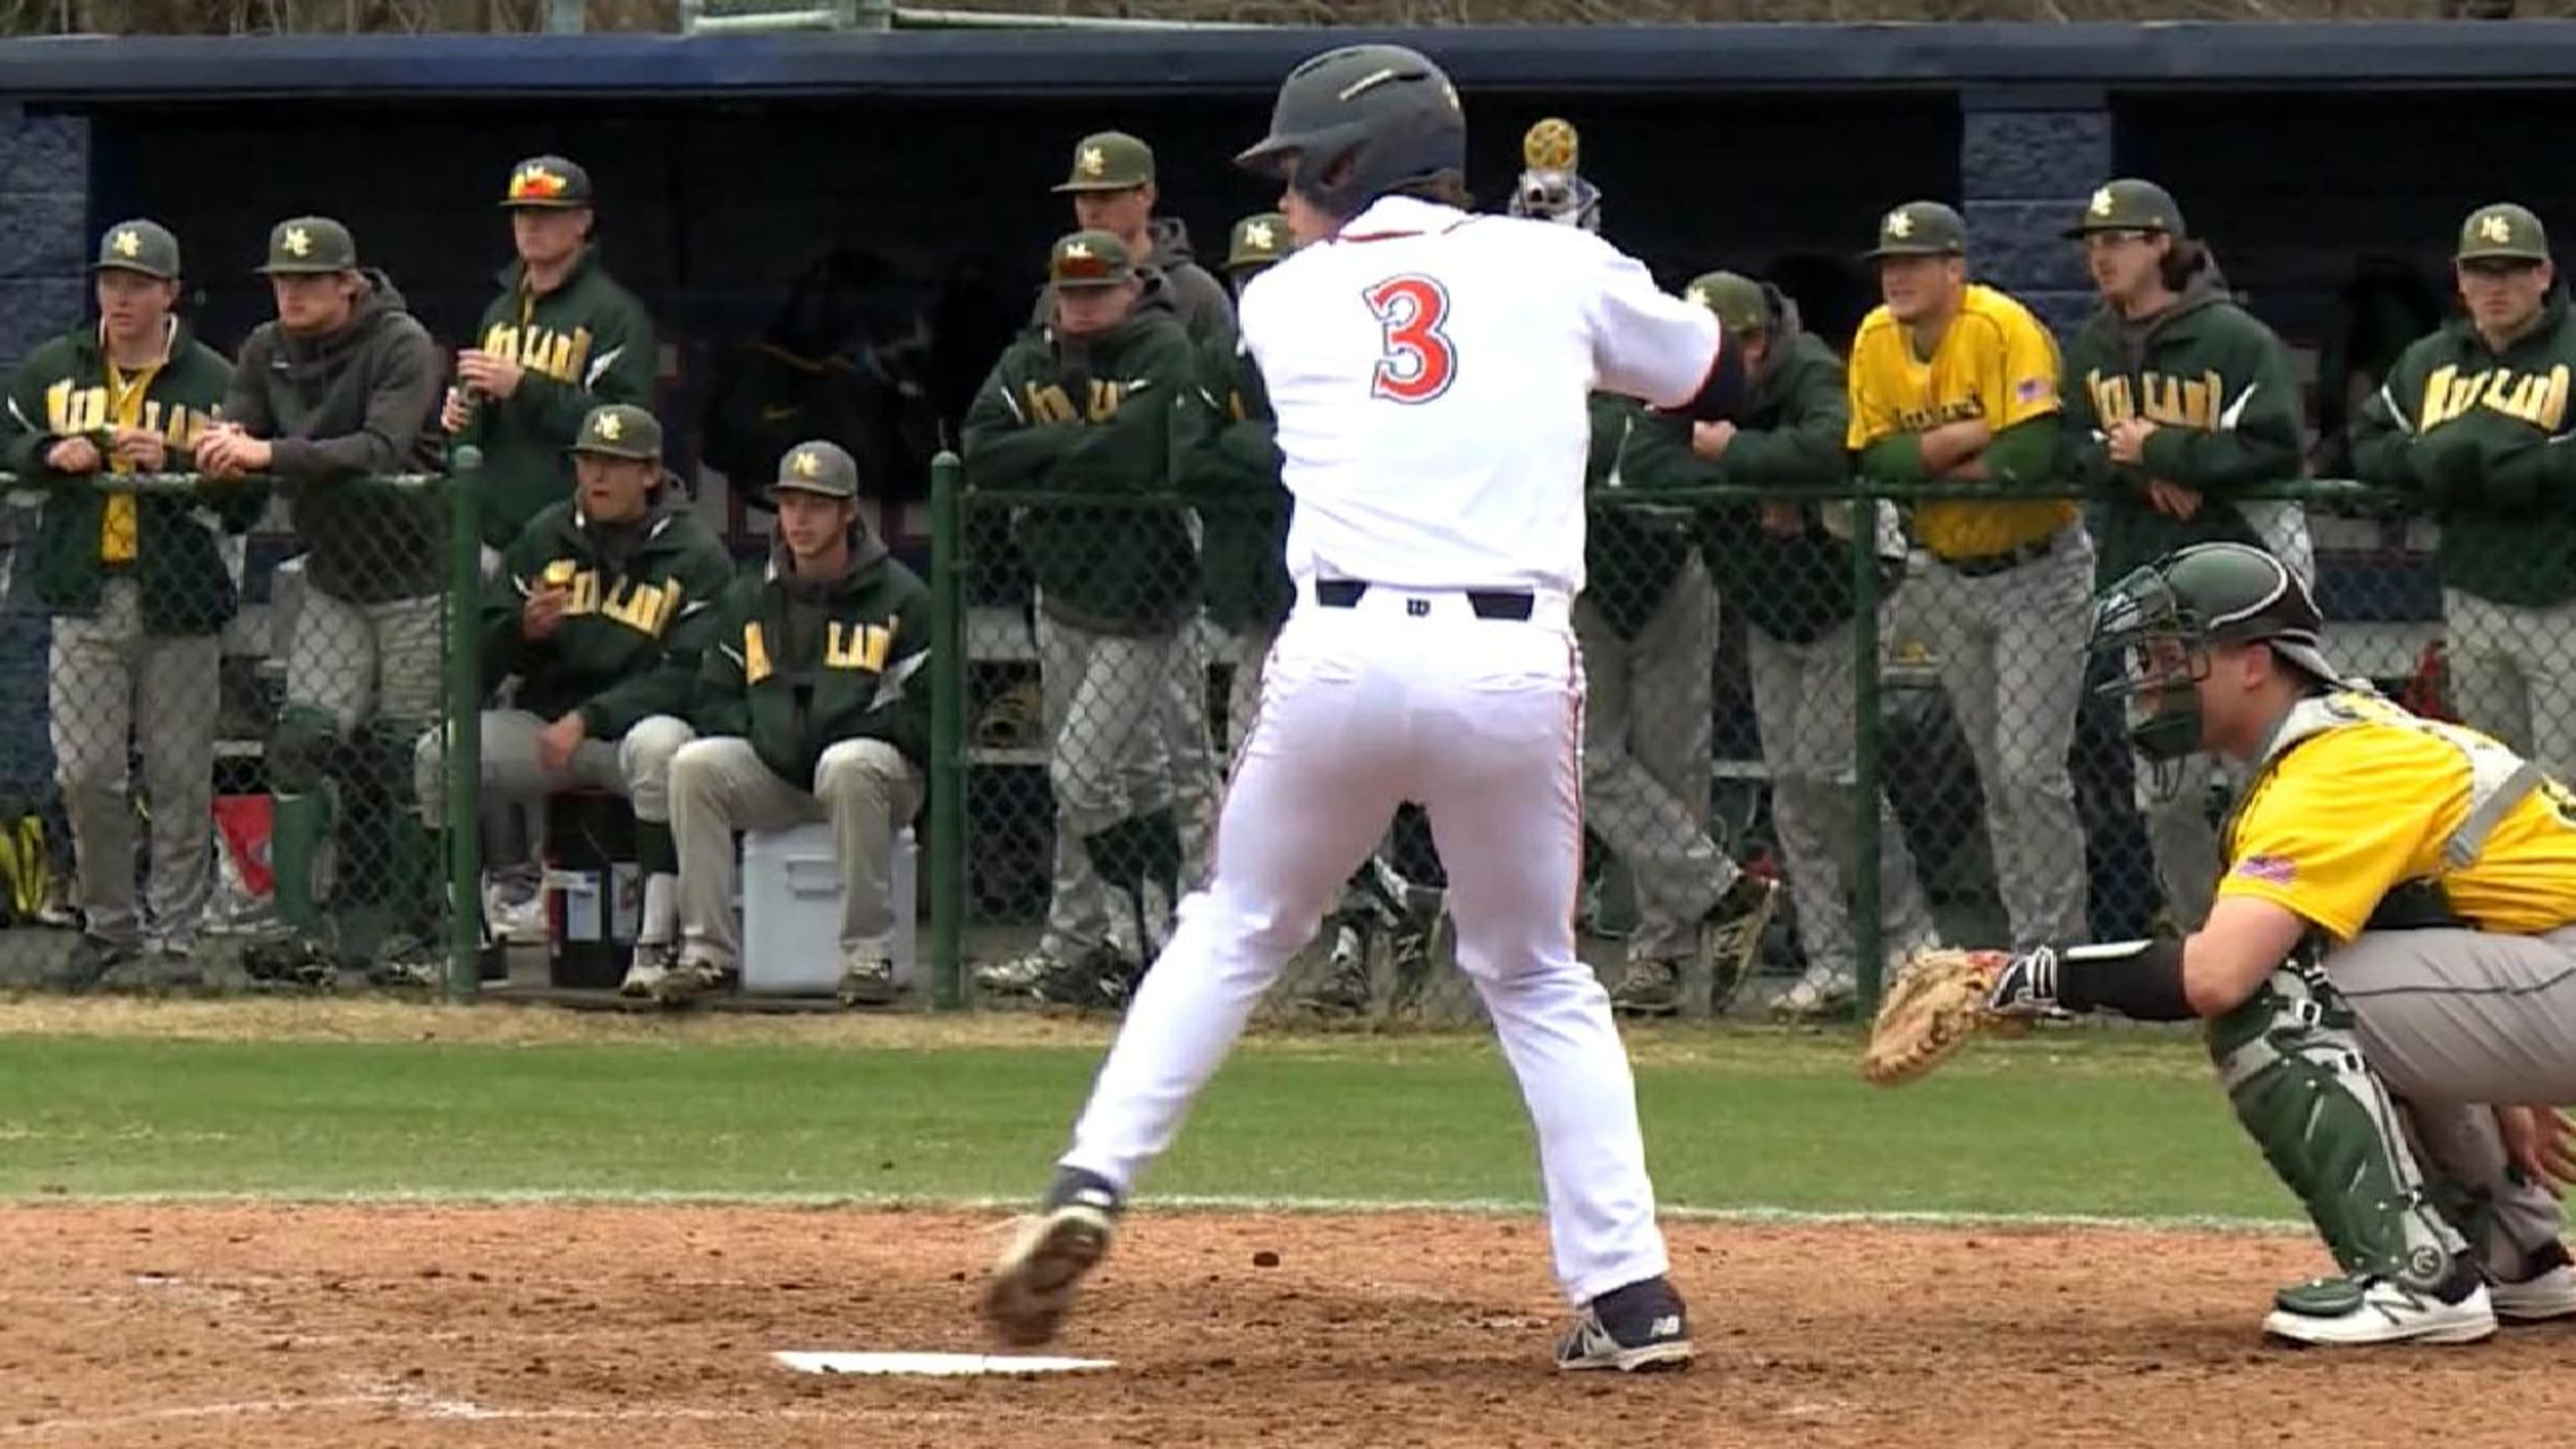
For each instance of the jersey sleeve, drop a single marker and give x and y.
(1646, 343)
(2022, 372)
(2344, 819)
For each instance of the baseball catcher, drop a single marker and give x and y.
(2388, 976)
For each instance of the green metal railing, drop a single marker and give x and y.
(462, 686)
(954, 508)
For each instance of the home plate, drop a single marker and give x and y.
(939, 1365)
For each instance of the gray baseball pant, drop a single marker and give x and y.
(2456, 1022)
(2011, 650)
(2513, 671)
(865, 788)
(361, 662)
(1646, 727)
(637, 766)
(1804, 707)
(1111, 704)
(108, 680)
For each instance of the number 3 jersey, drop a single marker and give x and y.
(2359, 796)
(1430, 370)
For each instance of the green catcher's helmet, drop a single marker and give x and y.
(2161, 620)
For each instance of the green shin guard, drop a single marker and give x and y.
(298, 824)
(2294, 1072)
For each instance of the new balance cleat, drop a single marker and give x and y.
(1031, 1287)
(1638, 1328)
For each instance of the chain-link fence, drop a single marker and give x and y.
(214, 773)
(1973, 787)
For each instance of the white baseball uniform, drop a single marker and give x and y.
(1429, 369)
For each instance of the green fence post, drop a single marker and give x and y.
(948, 666)
(1865, 745)
(464, 725)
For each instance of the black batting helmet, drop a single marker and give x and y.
(1355, 123)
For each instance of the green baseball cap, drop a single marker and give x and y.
(1737, 301)
(620, 430)
(818, 467)
(309, 246)
(2502, 232)
(1256, 241)
(2129, 204)
(1920, 229)
(1109, 161)
(547, 183)
(138, 246)
(1089, 259)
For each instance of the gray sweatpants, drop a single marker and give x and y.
(865, 788)
(2456, 1022)
(637, 766)
(1803, 706)
(2513, 673)
(2011, 651)
(1126, 735)
(108, 680)
(1646, 727)
(365, 661)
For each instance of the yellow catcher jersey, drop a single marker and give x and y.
(2345, 816)
(1996, 363)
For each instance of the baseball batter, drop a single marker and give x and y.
(1431, 412)
(2389, 970)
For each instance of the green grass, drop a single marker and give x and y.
(2082, 1126)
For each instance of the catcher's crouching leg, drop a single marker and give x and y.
(2295, 1075)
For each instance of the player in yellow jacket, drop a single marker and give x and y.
(2389, 973)
(1954, 382)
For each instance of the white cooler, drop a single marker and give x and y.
(791, 911)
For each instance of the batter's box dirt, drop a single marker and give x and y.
(624, 1327)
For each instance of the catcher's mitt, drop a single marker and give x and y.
(1935, 1004)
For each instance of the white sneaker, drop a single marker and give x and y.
(1017, 974)
(1817, 995)
(653, 964)
(2385, 1312)
(2544, 1295)
(522, 922)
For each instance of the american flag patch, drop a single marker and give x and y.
(2031, 389)
(2278, 869)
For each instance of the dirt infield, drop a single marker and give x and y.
(286, 1326)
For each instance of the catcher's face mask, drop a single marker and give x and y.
(2163, 653)
(1557, 196)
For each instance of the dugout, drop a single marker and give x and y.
(729, 167)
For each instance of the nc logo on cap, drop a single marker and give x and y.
(2495, 227)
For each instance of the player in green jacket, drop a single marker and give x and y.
(2474, 419)
(139, 596)
(601, 608)
(814, 706)
(1084, 406)
(1784, 562)
(2177, 400)
(562, 338)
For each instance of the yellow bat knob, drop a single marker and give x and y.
(1551, 145)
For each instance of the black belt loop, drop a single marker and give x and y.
(1486, 603)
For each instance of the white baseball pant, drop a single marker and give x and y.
(1408, 695)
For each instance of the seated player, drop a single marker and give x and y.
(2389, 973)
(601, 607)
(810, 712)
